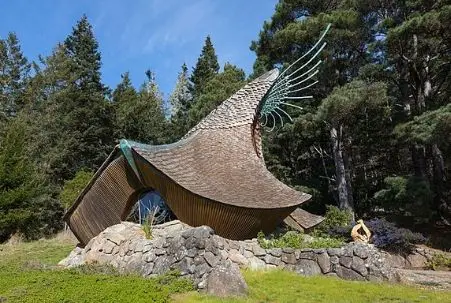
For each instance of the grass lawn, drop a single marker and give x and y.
(28, 274)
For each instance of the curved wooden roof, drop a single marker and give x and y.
(220, 159)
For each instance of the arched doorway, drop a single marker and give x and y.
(151, 206)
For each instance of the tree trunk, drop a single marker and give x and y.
(440, 201)
(342, 176)
(419, 160)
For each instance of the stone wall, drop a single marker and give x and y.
(195, 252)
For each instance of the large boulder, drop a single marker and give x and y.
(226, 280)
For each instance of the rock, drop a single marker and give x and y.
(211, 259)
(436, 279)
(226, 281)
(258, 250)
(149, 257)
(288, 250)
(186, 266)
(108, 247)
(237, 258)
(289, 258)
(346, 261)
(276, 252)
(256, 264)
(147, 269)
(202, 232)
(334, 260)
(201, 269)
(359, 266)
(196, 252)
(348, 274)
(416, 260)
(308, 267)
(397, 261)
(269, 259)
(309, 255)
(248, 254)
(324, 262)
(334, 251)
(75, 258)
(116, 238)
(199, 260)
(361, 250)
(162, 265)
(168, 228)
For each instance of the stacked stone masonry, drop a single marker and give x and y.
(195, 252)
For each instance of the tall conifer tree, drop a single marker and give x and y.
(206, 67)
(77, 124)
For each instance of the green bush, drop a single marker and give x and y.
(27, 203)
(411, 196)
(291, 239)
(439, 261)
(326, 242)
(295, 239)
(73, 188)
(333, 218)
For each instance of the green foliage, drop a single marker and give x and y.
(326, 242)
(289, 239)
(73, 188)
(439, 261)
(215, 91)
(206, 68)
(383, 95)
(147, 228)
(26, 203)
(74, 124)
(406, 196)
(46, 282)
(295, 239)
(181, 100)
(14, 74)
(140, 115)
(286, 286)
(333, 218)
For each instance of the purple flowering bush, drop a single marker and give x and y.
(388, 236)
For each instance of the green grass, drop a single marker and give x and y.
(283, 286)
(28, 274)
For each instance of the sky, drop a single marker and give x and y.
(137, 35)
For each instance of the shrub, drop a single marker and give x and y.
(439, 261)
(334, 218)
(388, 236)
(326, 242)
(295, 239)
(291, 239)
(411, 196)
(72, 188)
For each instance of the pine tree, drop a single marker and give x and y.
(180, 100)
(26, 204)
(218, 89)
(14, 74)
(76, 123)
(181, 95)
(206, 67)
(140, 116)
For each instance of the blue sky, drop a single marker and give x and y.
(140, 34)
